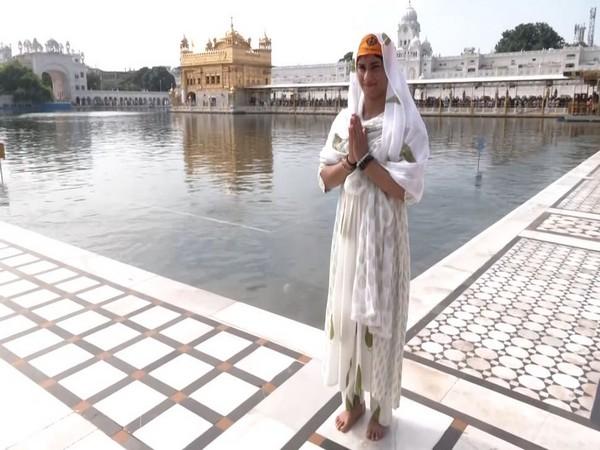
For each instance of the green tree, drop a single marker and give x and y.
(93, 81)
(529, 36)
(347, 57)
(155, 79)
(20, 82)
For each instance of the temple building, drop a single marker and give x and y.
(433, 74)
(218, 76)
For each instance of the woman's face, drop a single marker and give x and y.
(371, 77)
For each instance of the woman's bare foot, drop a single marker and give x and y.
(375, 431)
(348, 418)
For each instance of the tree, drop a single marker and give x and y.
(154, 79)
(347, 57)
(24, 85)
(529, 36)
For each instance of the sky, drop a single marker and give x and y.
(129, 34)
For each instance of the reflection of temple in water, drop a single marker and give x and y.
(236, 148)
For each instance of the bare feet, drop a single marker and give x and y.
(375, 431)
(348, 418)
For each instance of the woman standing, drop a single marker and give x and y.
(376, 152)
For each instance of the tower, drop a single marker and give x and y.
(408, 28)
(590, 41)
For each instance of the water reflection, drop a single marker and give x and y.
(235, 149)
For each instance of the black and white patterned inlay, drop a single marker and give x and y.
(529, 324)
(585, 198)
(573, 226)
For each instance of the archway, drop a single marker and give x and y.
(58, 82)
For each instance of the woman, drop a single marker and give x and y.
(376, 152)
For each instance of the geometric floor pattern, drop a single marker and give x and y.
(585, 197)
(130, 364)
(572, 226)
(529, 325)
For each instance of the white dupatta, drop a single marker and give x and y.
(403, 152)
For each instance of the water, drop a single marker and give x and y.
(231, 204)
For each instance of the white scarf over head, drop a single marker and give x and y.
(403, 152)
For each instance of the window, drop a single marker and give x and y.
(207, 79)
(199, 81)
(570, 65)
(218, 79)
(471, 69)
(83, 88)
(533, 59)
(571, 55)
(81, 75)
(76, 87)
(212, 79)
(76, 76)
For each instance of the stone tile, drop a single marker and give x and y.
(111, 336)
(83, 322)
(21, 421)
(560, 433)
(255, 431)
(61, 359)
(37, 267)
(224, 393)
(183, 425)
(14, 325)
(20, 260)
(289, 333)
(154, 317)
(58, 309)
(96, 441)
(35, 298)
(186, 330)
(182, 295)
(307, 401)
(32, 342)
(100, 294)
(144, 352)
(5, 311)
(475, 439)
(5, 277)
(7, 252)
(16, 287)
(223, 345)
(129, 403)
(62, 434)
(181, 371)
(77, 284)
(126, 305)
(93, 379)
(265, 363)
(496, 409)
(56, 276)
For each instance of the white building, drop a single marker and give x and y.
(65, 67)
(421, 66)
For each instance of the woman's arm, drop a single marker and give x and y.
(376, 172)
(382, 178)
(334, 175)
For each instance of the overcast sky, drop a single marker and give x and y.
(129, 34)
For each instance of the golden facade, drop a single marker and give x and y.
(227, 64)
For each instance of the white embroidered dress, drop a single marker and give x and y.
(369, 278)
(355, 356)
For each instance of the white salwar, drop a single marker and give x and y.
(367, 305)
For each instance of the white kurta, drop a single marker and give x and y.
(354, 355)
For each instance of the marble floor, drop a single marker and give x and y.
(503, 349)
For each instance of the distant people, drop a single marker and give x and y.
(376, 152)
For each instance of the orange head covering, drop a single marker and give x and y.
(369, 45)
